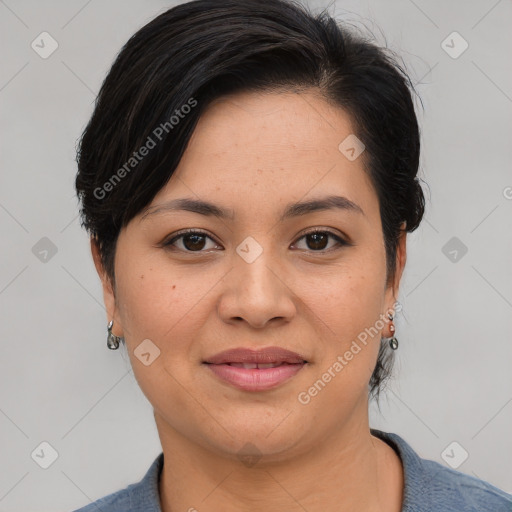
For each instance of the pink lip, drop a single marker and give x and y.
(255, 379)
(265, 355)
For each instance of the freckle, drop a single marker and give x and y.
(173, 286)
(142, 276)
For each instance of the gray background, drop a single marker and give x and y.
(60, 383)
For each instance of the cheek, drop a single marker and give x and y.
(158, 305)
(154, 299)
(350, 304)
(168, 306)
(348, 298)
(351, 308)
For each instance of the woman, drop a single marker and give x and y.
(248, 178)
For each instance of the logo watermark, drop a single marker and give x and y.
(137, 156)
(304, 397)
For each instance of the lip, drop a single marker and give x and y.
(265, 355)
(256, 379)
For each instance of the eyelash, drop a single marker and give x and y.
(341, 242)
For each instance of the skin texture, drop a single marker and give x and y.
(254, 153)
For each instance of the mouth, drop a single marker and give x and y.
(268, 355)
(259, 366)
(251, 370)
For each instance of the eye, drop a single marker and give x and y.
(191, 240)
(194, 240)
(317, 240)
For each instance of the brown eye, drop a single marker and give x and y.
(191, 241)
(317, 241)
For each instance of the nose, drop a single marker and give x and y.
(256, 293)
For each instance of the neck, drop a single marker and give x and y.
(350, 470)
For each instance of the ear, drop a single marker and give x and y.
(108, 291)
(401, 258)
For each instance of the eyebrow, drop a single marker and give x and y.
(291, 210)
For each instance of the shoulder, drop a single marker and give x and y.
(431, 487)
(142, 496)
(116, 502)
(461, 490)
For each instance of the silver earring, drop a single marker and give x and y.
(113, 340)
(393, 342)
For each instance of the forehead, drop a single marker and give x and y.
(273, 123)
(269, 148)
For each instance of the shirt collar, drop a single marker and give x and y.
(416, 496)
(145, 496)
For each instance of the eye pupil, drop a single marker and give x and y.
(319, 240)
(195, 244)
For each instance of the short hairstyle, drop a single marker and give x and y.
(173, 67)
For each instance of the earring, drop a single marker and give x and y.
(113, 340)
(393, 342)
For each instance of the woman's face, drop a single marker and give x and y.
(256, 279)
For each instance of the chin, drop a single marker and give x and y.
(252, 435)
(256, 450)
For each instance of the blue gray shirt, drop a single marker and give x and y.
(428, 487)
